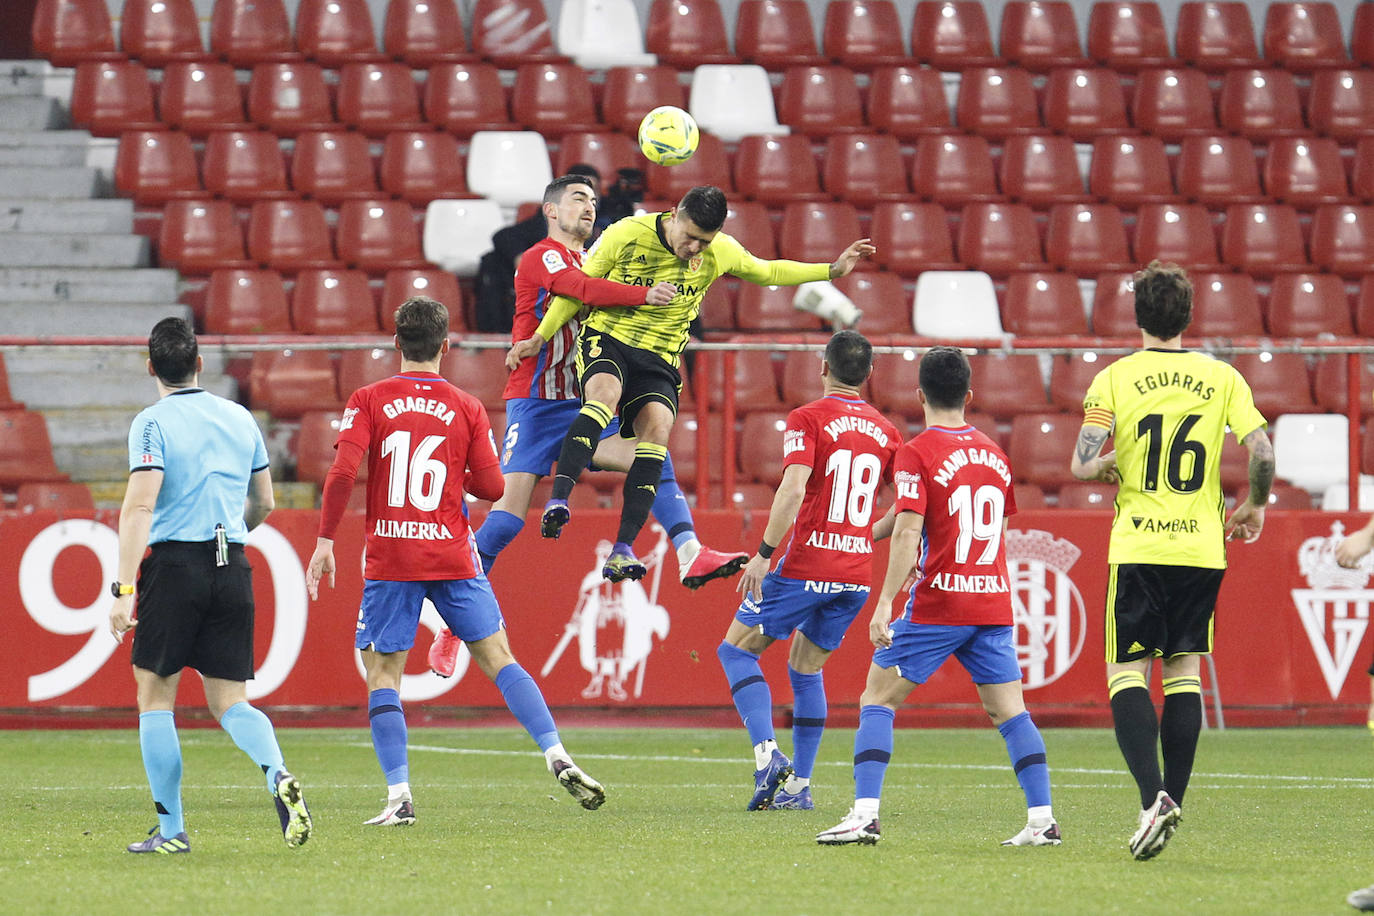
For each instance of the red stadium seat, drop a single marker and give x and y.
(511, 32)
(154, 166)
(607, 152)
(999, 239)
(1305, 171)
(1362, 35)
(895, 383)
(769, 308)
(954, 169)
(1308, 305)
(1070, 376)
(553, 99)
(760, 446)
(1260, 103)
(687, 33)
(908, 102)
(336, 32)
(1041, 444)
(718, 308)
(377, 98)
(865, 169)
(1343, 239)
(375, 235)
(1218, 171)
(911, 238)
(1341, 104)
(198, 236)
(1263, 239)
(419, 166)
(289, 383)
(6, 401)
(1005, 385)
(1179, 233)
(1362, 174)
(1128, 171)
(199, 98)
(1041, 169)
(26, 450)
(246, 302)
(755, 380)
(997, 102)
(333, 302)
(1173, 102)
(244, 165)
(863, 34)
(67, 32)
(251, 32)
(1225, 305)
(817, 101)
(289, 235)
(1086, 495)
(885, 304)
(1280, 382)
(1043, 304)
(158, 32)
(1216, 36)
(424, 33)
(777, 170)
(402, 283)
(632, 92)
(332, 166)
(110, 97)
(1332, 396)
(360, 368)
(1281, 495)
(818, 232)
(54, 496)
(1040, 35)
(1029, 496)
(1364, 307)
(1128, 36)
(1085, 103)
(289, 98)
(748, 222)
(952, 35)
(1302, 37)
(1087, 239)
(463, 98)
(1113, 309)
(801, 377)
(481, 373)
(315, 446)
(709, 165)
(776, 34)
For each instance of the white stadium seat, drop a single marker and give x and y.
(458, 232)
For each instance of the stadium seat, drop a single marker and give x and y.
(1113, 306)
(1039, 35)
(755, 380)
(598, 34)
(607, 152)
(1259, 104)
(336, 32)
(912, 237)
(745, 497)
(26, 450)
(251, 32)
(375, 235)
(244, 165)
(955, 304)
(1280, 382)
(333, 302)
(158, 32)
(776, 34)
(801, 377)
(630, 93)
(246, 302)
(1041, 169)
(863, 34)
(881, 298)
(709, 165)
(419, 166)
(1305, 171)
(682, 445)
(1070, 376)
(288, 383)
(817, 101)
(999, 238)
(315, 446)
(1311, 449)
(687, 33)
(908, 102)
(1341, 104)
(769, 308)
(510, 167)
(463, 98)
(1128, 36)
(1029, 496)
(1364, 307)
(1005, 385)
(553, 99)
(952, 35)
(749, 223)
(377, 98)
(67, 32)
(110, 97)
(289, 98)
(954, 169)
(760, 446)
(198, 236)
(1225, 305)
(359, 368)
(865, 169)
(1173, 102)
(1087, 239)
(1302, 37)
(997, 102)
(200, 98)
(1282, 496)
(333, 165)
(511, 32)
(53, 496)
(1362, 173)
(818, 232)
(1218, 171)
(289, 235)
(895, 383)
(1308, 305)
(777, 170)
(1086, 495)
(1263, 239)
(425, 33)
(1331, 376)
(1129, 171)
(733, 101)
(1362, 35)
(1343, 239)
(1043, 304)
(718, 308)
(1041, 444)
(402, 283)
(458, 232)
(1179, 233)
(6, 401)
(1085, 103)
(481, 373)
(1216, 36)
(154, 166)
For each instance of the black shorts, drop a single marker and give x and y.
(644, 375)
(193, 614)
(1160, 610)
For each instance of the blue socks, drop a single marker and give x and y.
(252, 731)
(157, 738)
(1026, 749)
(495, 535)
(389, 734)
(670, 507)
(749, 690)
(808, 719)
(527, 704)
(872, 750)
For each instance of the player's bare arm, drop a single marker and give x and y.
(901, 556)
(851, 256)
(135, 521)
(1247, 521)
(882, 528)
(786, 504)
(1350, 551)
(1087, 463)
(321, 565)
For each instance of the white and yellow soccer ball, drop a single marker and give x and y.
(668, 135)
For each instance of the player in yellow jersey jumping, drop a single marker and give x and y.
(1169, 409)
(628, 358)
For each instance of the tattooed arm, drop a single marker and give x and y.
(1087, 464)
(1247, 521)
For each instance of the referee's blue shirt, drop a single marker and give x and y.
(207, 448)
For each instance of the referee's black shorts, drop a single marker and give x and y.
(1155, 610)
(644, 375)
(194, 614)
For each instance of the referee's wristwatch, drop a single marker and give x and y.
(119, 589)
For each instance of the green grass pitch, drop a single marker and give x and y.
(1276, 821)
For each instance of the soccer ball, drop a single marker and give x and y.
(668, 135)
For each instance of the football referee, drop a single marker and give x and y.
(198, 483)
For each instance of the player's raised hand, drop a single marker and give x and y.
(851, 256)
(523, 350)
(660, 294)
(751, 581)
(321, 565)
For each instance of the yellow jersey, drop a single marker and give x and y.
(1169, 411)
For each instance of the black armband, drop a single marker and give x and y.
(766, 550)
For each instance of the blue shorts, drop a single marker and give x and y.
(390, 612)
(919, 649)
(535, 428)
(822, 611)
